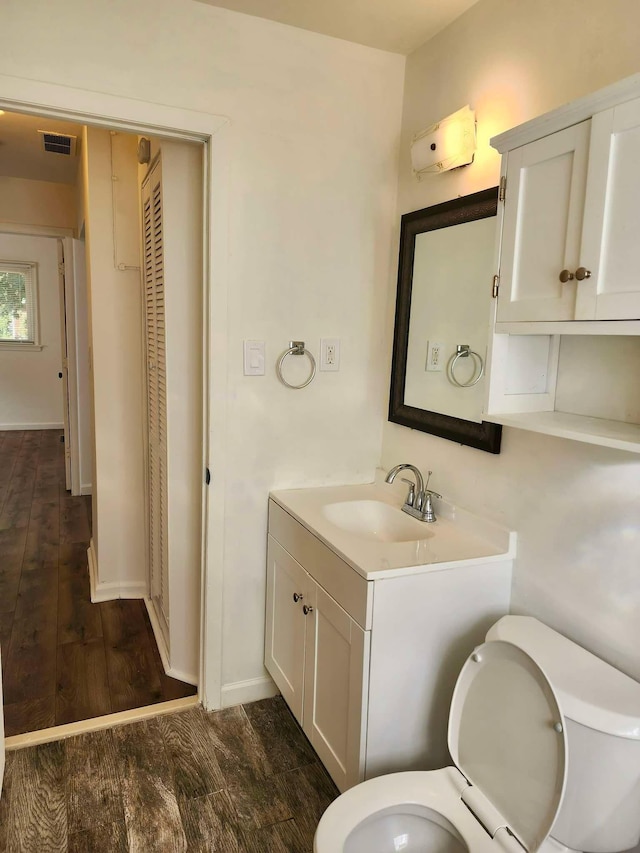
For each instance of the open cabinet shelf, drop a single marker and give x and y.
(623, 436)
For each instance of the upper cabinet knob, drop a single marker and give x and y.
(582, 273)
(565, 276)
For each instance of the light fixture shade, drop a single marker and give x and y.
(449, 143)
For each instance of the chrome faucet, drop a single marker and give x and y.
(418, 502)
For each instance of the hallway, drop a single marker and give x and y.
(63, 658)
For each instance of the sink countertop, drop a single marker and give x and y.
(456, 538)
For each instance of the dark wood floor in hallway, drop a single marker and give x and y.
(63, 658)
(242, 780)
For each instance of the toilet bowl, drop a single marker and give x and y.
(411, 812)
(509, 735)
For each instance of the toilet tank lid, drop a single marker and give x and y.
(589, 691)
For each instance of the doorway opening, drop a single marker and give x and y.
(45, 442)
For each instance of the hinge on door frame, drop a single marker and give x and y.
(496, 286)
(61, 268)
(502, 192)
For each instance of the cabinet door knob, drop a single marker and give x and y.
(297, 596)
(307, 610)
(582, 273)
(565, 276)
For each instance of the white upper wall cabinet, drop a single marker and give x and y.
(569, 246)
(570, 266)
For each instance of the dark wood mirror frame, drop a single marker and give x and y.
(484, 436)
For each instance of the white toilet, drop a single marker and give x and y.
(546, 741)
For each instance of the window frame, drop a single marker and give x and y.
(32, 267)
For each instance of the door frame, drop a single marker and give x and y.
(68, 373)
(68, 338)
(213, 131)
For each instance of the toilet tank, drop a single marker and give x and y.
(600, 811)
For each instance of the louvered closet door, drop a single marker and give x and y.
(156, 393)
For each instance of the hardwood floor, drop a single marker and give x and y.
(242, 780)
(63, 658)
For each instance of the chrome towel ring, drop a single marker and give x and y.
(296, 348)
(464, 351)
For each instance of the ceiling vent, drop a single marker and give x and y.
(58, 143)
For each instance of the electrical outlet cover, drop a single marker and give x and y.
(435, 356)
(330, 354)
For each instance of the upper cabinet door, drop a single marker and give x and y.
(610, 242)
(542, 229)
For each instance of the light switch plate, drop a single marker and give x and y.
(254, 358)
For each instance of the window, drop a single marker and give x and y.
(18, 305)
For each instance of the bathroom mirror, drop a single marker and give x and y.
(442, 308)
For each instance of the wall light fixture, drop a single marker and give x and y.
(449, 143)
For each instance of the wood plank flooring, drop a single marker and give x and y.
(242, 780)
(63, 658)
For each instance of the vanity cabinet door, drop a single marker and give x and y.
(336, 688)
(610, 244)
(542, 229)
(288, 589)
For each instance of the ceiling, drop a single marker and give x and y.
(22, 154)
(399, 26)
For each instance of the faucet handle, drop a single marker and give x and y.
(411, 497)
(431, 493)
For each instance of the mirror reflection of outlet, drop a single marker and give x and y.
(435, 356)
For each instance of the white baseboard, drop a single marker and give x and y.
(93, 567)
(171, 671)
(9, 427)
(161, 643)
(113, 589)
(181, 675)
(239, 692)
(86, 489)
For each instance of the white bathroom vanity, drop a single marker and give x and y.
(370, 614)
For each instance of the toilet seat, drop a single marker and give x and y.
(506, 736)
(435, 791)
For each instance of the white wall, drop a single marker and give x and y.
(182, 206)
(182, 203)
(575, 507)
(36, 203)
(116, 345)
(313, 141)
(30, 390)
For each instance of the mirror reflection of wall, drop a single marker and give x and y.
(452, 273)
(445, 277)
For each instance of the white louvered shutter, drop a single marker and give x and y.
(154, 297)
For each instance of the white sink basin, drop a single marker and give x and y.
(365, 526)
(376, 520)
